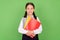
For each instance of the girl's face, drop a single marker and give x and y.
(30, 10)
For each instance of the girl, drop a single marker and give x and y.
(26, 35)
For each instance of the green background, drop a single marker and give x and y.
(11, 12)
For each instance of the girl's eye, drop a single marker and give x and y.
(27, 8)
(31, 8)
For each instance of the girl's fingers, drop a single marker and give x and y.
(30, 33)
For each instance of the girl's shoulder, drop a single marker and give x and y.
(23, 18)
(38, 19)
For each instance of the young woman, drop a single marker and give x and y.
(26, 34)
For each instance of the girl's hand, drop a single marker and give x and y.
(30, 33)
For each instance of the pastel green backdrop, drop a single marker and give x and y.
(11, 12)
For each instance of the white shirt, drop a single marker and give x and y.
(23, 31)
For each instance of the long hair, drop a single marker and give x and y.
(29, 3)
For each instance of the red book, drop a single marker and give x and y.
(33, 24)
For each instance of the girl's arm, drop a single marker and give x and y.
(39, 30)
(21, 29)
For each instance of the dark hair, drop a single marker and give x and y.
(29, 3)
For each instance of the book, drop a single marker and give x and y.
(31, 24)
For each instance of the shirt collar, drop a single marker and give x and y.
(30, 16)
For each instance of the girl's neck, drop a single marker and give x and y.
(30, 15)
